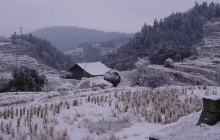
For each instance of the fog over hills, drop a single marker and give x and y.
(68, 38)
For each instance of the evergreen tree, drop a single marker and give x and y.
(217, 10)
(13, 37)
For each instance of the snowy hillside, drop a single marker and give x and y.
(17, 55)
(12, 56)
(202, 68)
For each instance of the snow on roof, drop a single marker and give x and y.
(212, 97)
(94, 68)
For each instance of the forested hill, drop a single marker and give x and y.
(68, 38)
(173, 37)
(42, 50)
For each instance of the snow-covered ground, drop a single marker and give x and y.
(3, 43)
(124, 112)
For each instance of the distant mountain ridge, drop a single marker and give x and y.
(68, 38)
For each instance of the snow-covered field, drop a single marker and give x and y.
(131, 113)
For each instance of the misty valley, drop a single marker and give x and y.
(110, 70)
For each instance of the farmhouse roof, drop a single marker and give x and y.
(94, 68)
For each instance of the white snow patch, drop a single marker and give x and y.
(160, 136)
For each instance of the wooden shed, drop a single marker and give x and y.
(92, 69)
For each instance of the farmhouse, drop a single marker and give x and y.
(92, 69)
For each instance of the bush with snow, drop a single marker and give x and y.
(169, 63)
(94, 82)
(66, 86)
(149, 77)
(99, 82)
(113, 77)
(25, 79)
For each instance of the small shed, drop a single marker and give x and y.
(92, 69)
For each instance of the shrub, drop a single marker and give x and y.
(149, 77)
(3, 84)
(25, 79)
(99, 82)
(113, 77)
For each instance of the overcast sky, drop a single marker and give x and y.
(107, 15)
